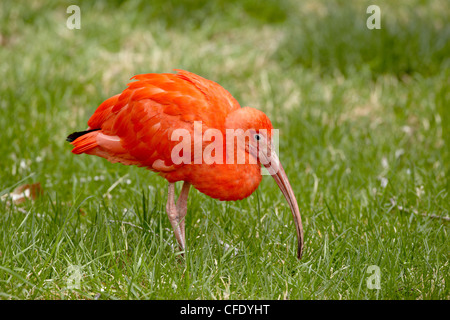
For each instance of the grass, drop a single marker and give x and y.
(363, 118)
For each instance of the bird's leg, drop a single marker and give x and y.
(182, 207)
(172, 213)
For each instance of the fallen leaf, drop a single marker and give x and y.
(24, 192)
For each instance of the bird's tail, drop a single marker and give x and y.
(83, 140)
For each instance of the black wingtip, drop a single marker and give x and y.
(72, 137)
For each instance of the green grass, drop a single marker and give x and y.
(354, 107)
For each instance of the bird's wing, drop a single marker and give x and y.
(143, 118)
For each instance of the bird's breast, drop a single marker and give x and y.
(226, 182)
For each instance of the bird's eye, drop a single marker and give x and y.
(257, 137)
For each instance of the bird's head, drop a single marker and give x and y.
(257, 131)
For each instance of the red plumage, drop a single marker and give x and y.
(136, 128)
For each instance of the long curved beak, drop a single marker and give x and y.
(276, 170)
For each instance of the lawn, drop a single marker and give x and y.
(364, 139)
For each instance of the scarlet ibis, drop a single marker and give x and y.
(137, 126)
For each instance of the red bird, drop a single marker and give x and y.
(142, 126)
